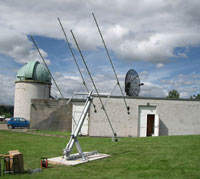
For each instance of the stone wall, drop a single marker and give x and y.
(51, 115)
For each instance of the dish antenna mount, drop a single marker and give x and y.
(132, 83)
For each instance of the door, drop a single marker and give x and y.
(150, 124)
(147, 124)
(77, 110)
(143, 125)
(156, 125)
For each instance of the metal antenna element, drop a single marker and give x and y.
(74, 94)
(110, 95)
(46, 65)
(127, 107)
(115, 135)
(67, 41)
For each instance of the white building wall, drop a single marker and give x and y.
(176, 117)
(123, 124)
(24, 92)
(179, 117)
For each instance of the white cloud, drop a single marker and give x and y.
(158, 84)
(105, 84)
(18, 47)
(34, 55)
(152, 90)
(7, 89)
(186, 84)
(159, 65)
(69, 83)
(135, 30)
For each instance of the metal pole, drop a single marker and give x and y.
(46, 65)
(115, 135)
(74, 94)
(110, 95)
(127, 107)
(78, 127)
(67, 41)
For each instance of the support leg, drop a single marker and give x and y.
(78, 147)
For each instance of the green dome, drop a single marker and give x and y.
(33, 71)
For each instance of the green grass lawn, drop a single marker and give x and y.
(151, 157)
(58, 133)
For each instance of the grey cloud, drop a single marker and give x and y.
(18, 47)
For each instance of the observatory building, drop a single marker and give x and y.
(147, 117)
(33, 82)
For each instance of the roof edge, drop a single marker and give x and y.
(33, 81)
(150, 98)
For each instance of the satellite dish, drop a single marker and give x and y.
(132, 83)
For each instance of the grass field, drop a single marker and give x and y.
(151, 157)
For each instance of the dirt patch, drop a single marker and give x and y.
(28, 131)
(3, 127)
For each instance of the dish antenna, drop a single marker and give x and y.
(132, 83)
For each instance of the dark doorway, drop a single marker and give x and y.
(150, 124)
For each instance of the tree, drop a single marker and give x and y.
(195, 96)
(6, 110)
(173, 94)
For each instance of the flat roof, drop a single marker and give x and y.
(150, 98)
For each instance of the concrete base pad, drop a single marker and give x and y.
(61, 161)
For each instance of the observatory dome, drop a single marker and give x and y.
(33, 82)
(35, 72)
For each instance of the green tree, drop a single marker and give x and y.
(6, 110)
(173, 94)
(195, 96)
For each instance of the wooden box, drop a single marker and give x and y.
(16, 161)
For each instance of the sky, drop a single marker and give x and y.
(157, 38)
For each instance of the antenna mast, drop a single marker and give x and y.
(115, 135)
(127, 107)
(45, 64)
(67, 41)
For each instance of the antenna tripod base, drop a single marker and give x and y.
(79, 156)
(75, 160)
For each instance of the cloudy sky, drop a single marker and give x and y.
(159, 39)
